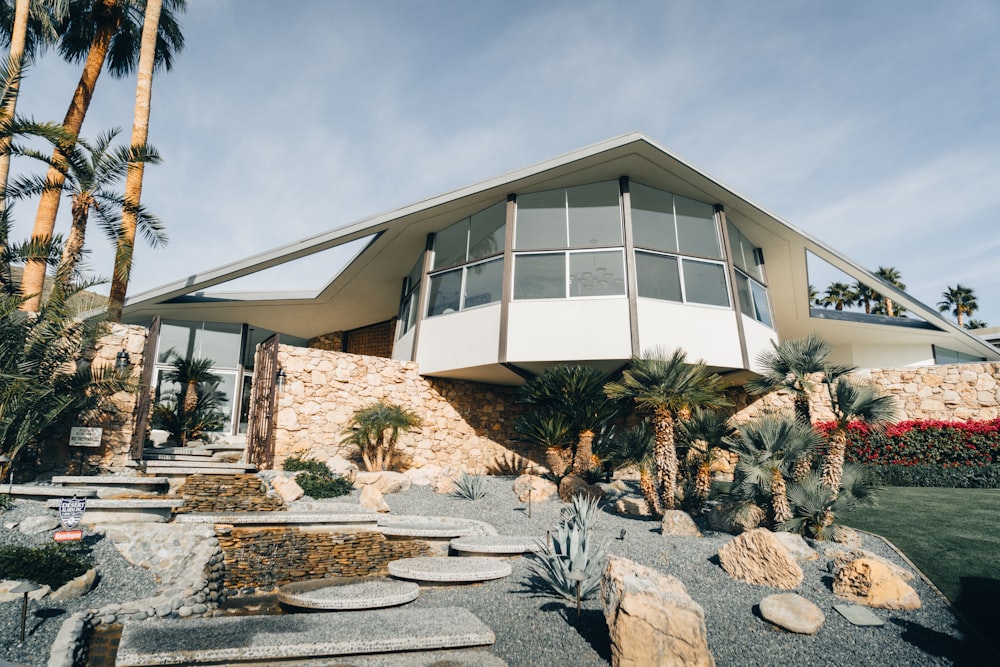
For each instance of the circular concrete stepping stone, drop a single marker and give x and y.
(450, 570)
(348, 594)
(407, 529)
(498, 545)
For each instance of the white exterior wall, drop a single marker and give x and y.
(459, 340)
(703, 332)
(890, 356)
(568, 330)
(403, 349)
(758, 337)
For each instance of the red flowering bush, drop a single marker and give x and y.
(923, 442)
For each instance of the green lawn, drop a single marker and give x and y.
(953, 536)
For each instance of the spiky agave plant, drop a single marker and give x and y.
(470, 487)
(571, 550)
(582, 512)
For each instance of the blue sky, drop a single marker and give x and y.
(872, 126)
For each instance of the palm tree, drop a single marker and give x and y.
(769, 448)
(192, 375)
(577, 393)
(96, 32)
(883, 304)
(27, 28)
(90, 173)
(815, 508)
(976, 324)
(133, 182)
(851, 400)
(960, 300)
(634, 446)
(550, 431)
(705, 432)
(666, 385)
(376, 428)
(865, 295)
(838, 295)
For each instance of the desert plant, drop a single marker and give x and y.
(583, 511)
(320, 486)
(375, 430)
(50, 565)
(705, 432)
(550, 431)
(633, 446)
(815, 508)
(570, 550)
(470, 487)
(195, 407)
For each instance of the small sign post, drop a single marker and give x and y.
(83, 437)
(70, 512)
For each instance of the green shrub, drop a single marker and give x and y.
(297, 463)
(52, 565)
(323, 486)
(6, 502)
(960, 477)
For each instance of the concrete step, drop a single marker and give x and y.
(158, 456)
(128, 510)
(235, 640)
(35, 491)
(110, 480)
(205, 466)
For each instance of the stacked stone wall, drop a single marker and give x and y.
(265, 558)
(227, 493)
(333, 342)
(466, 425)
(955, 392)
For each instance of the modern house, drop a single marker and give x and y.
(590, 257)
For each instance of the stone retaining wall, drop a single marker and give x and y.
(466, 425)
(227, 493)
(954, 392)
(265, 558)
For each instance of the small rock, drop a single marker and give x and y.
(678, 523)
(846, 536)
(572, 486)
(184, 611)
(735, 518)
(797, 546)
(792, 612)
(539, 488)
(373, 500)
(287, 488)
(841, 557)
(76, 587)
(632, 507)
(423, 476)
(38, 524)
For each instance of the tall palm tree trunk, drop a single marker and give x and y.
(889, 308)
(665, 456)
(703, 479)
(833, 464)
(48, 205)
(17, 39)
(584, 452)
(556, 460)
(779, 498)
(73, 250)
(133, 181)
(648, 490)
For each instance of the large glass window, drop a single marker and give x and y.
(478, 236)
(705, 282)
(411, 294)
(697, 231)
(541, 220)
(671, 223)
(594, 215)
(597, 273)
(746, 256)
(540, 276)
(220, 342)
(445, 293)
(467, 287)
(658, 276)
(753, 299)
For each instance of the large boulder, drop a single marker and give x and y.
(372, 499)
(735, 518)
(841, 557)
(846, 536)
(338, 465)
(869, 582)
(678, 523)
(572, 486)
(33, 525)
(538, 487)
(423, 476)
(651, 618)
(792, 612)
(797, 547)
(76, 587)
(759, 557)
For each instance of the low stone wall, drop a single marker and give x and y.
(466, 425)
(227, 493)
(954, 392)
(265, 558)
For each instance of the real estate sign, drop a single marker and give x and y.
(82, 436)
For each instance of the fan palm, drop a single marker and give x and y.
(376, 429)
(634, 446)
(838, 295)
(864, 296)
(976, 324)
(815, 507)
(665, 384)
(90, 174)
(851, 400)
(769, 448)
(706, 432)
(99, 33)
(549, 431)
(959, 300)
(577, 393)
(883, 304)
(190, 375)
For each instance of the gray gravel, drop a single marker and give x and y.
(118, 580)
(533, 628)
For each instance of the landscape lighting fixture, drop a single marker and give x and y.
(279, 379)
(122, 360)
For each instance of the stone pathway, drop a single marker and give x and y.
(348, 594)
(496, 545)
(450, 570)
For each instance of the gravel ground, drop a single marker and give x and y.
(117, 580)
(534, 628)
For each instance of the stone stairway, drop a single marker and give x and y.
(217, 458)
